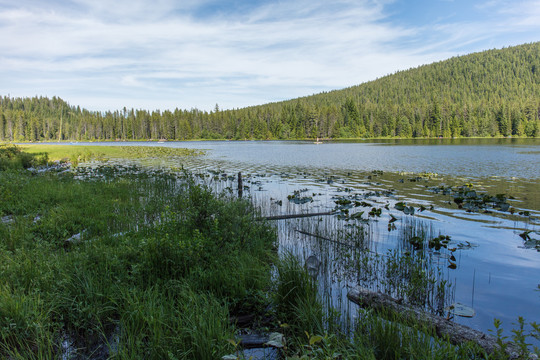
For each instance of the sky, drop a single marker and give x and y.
(167, 54)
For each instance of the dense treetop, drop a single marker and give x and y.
(491, 93)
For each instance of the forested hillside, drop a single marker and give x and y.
(492, 93)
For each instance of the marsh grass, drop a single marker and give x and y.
(389, 338)
(84, 153)
(153, 268)
(317, 333)
(350, 255)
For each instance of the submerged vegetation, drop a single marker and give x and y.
(486, 94)
(121, 261)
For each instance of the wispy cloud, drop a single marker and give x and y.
(159, 54)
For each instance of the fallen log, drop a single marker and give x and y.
(294, 216)
(320, 237)
(455, 333)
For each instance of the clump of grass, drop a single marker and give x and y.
(389, 338)
(12, 157)
(519, 340)
(316, 333)
(172, 322)
(296, 297)
(26, 332)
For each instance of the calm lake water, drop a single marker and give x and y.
(496, 273)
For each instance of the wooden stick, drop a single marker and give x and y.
(385, 305)
(352, 246)
(293, 216)
(240, 185)
(323, 238)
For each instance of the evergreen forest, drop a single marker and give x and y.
(486, 94)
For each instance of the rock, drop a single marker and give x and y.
(76, 238)
(260, 354)
(8, 219)
(276, 340)
(312, 265)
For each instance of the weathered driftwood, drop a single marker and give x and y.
(455, 333)
(293, 216)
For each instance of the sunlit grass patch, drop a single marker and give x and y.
(80, 153)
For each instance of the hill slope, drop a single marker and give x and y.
(491, 93)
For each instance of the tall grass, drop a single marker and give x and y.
(134, 264)
(12, 157)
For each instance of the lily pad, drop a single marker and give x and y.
(459, 309)
(357, 215)
(301, 200)
(417, 242)
(466, 245)
(342, 201)
(532, 244)
(400, 206)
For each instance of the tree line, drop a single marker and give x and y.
(491, 93)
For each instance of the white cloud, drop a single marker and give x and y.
(158, 54)
(522, 13)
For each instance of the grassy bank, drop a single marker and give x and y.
(137, 267)
(79, 153)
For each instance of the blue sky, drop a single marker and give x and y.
(166, 54)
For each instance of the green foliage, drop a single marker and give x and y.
(146, 262)
(518, 339)
(172, 322)
(11, 157)
(85, 153)
(390, 339)
(491, 93)
(296, 297)
(25, 331)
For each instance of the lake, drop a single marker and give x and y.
(484, 194)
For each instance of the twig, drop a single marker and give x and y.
(293, 216)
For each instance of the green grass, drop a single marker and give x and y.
(12, 157)
(81, 153)
(316, 334)
(159, 262)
